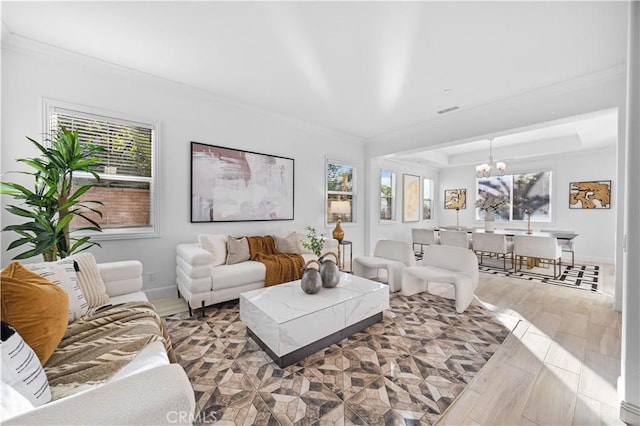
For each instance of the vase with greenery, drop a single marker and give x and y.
(490, 204)
(54, 202)
(313, 242)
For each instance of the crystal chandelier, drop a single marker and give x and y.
(486, 169)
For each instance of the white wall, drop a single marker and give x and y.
(396, 229)
(596, 228)
(31, 72)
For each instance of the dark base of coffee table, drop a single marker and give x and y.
(303, 352)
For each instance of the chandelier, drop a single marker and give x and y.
(486, 169)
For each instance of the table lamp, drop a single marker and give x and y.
(339, 208)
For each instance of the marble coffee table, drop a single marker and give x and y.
(289, 324)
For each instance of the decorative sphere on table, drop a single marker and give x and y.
(329, 270)
(311, 281)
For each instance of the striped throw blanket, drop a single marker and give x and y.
(96, 346)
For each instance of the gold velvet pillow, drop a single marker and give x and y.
(35, 307)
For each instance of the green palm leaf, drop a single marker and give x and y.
(51, 205)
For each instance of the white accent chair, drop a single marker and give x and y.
(455, 238)
(565, 245)
(391, 255)
(543, 248)
(423, 237)
(444, 264)
(498, 244)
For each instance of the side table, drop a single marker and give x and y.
(341, 253)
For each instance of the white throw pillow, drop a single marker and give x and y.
(215, 244)
(90, 280)
(21, 368)
(63, 274)
(288, 244)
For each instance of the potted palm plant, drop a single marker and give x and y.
(53, 202)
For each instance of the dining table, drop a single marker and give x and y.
(561, 235)
(531, 262)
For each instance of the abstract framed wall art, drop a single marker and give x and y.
(594, 194)
(455, 199)
(410, 198)
(231, 185)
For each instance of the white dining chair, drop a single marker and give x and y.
(566, 245)
(455, 238)
(538, 247)
(498, 244)
(423, 237)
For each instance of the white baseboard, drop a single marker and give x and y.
(629, 413)
(583, 260)
(154, 293)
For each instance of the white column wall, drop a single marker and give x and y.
(629, 388)
(396, 229)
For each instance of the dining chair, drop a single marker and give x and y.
(537, 247)
(566, 245)
(498, 244)
(423, 237)
(455, 238)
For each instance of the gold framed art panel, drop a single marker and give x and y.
(411, 198)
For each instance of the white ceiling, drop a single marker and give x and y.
(590, 132)
(360, 68)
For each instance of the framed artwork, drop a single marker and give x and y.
(230, 185)
(410, 198)
(455, 199)
(594, 194)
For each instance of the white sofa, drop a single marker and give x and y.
(203, 282)
(148, 390)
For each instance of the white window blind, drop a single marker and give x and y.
(126, 168)
(127, 146)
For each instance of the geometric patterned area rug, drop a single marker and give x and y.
(406, 369)
(584, 277)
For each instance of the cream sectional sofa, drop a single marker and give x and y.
(147, 390)
(204, 278)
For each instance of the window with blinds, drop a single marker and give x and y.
(126, 168)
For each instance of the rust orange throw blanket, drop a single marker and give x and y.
(281, 267)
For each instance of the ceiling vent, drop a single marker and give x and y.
(446, 110)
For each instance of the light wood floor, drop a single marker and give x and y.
(558, 367)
